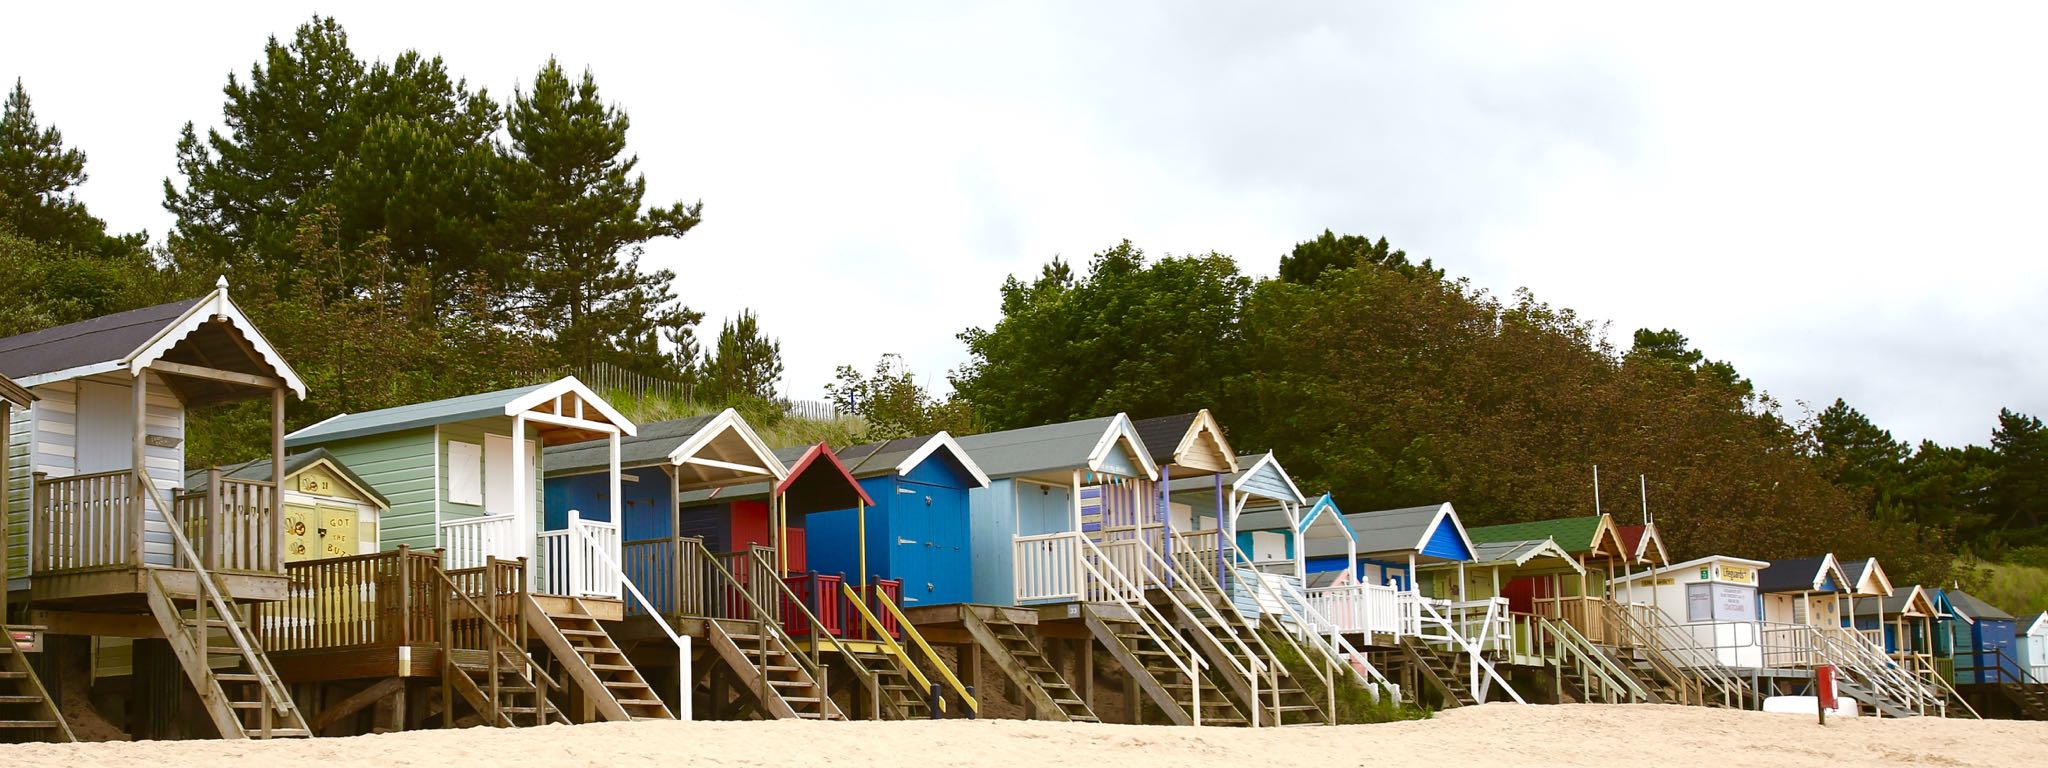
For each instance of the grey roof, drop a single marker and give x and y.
(648, 448)
(1162, 434)
(1033, 450)
(1505, 551)
(1208, 482)
(1267, 520)
(99, 340)
(1391, 530)
(1968, 605)
(259, 469)
(1793, 575)
(1892, 604)
(1324, 578)
(871, 459)
(412, 416)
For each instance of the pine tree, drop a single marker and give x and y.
(573, 205)
(37, 177)
(745, 365)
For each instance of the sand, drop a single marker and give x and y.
(1497, 734)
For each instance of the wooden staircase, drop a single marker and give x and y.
(505, 687)
(902, 698)
(611, 686)
(773, 669)
(243, 696)
(2030, 700)
(1236, 642)
(1435, 668)
(1143, 658)
(26, 710)
(1027, 668)
(1653, 679)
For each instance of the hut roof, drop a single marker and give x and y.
(14, 393)
(1519, 553)
(1643, 541)
(1574, 534)
(504, 402)
(1969, 606)
(209, 332)
(1804, 574)
(650, 447)
(1191, 441)
(1052, 450)
(902, 455)
(196, 481)
(1910, 599)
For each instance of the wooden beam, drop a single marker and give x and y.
(356, 702)
(95, 624)
(716, 464)
(216, 374)
(542, 417)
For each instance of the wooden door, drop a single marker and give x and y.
(301, 532)
(337, 530)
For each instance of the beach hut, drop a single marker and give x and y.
(1805, 591)
(916, 532)
(1713, 601)
(328, 510)
(2033, 644)
(1985, 641)
(94, 527)
(1575, 596)
(1392, 543)
(30, 711)
(1902, 622)
(462, 478)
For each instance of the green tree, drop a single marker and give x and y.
(893, 404)
(1311, 258)
(1857, 453)
(745, 365)
(1149, 338)
(38, 178)
(2019, 489)
(574, 212)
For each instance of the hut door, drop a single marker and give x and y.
(337, 531)
(301, 532)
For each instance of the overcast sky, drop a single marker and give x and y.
(1842, 200)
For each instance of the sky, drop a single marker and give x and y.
(1841, 199)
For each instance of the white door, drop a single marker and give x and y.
(498, 489)
(106, 427)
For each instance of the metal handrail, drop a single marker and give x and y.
(1658, 633)
(686, 709)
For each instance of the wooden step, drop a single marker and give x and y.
(27, 724)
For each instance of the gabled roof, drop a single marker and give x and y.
(14, 393)
(1910, 600)
(504, 402)
(196, 481)
(1577, 535)
(1691, 564)
(1266, 479)
(1389, 532)
(1803, 574)
(1051, 451)
(902, 455)
(818, 471)
(1519, 553)
(209, 332)
(1867, 578)
(2033, 625)
(1330, 539)
(1191, 441)
(1643, 543)
(702, 451)
(1967, 605)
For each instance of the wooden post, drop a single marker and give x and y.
(446, 624)
(276, 533)
(6, 481)
(38, 530)
(490, 607)
(405, 606)
(138, 459)
(215, 520)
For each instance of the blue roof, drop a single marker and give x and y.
(406, 417)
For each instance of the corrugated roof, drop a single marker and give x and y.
(649, 448)
(1968, 605)
(259, 469)
(872, 459)
(1034, 450)
(412, 416)
(1574, 534)
(99, 340)
(1392, 530)
(1162, 434)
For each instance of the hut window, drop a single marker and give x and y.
(465, 473)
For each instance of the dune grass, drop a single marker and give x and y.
(776, 428)
(2015, 588)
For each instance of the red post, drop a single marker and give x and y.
(1824, 689)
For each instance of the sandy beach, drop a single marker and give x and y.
(1580, 735)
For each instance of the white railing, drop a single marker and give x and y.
(1128, 557)
(1097, 568)
(605, 560)
(572, 560)
(1360, 608)
(1047, 567)
(1475, 627)
(470, 541)
(1292, 612)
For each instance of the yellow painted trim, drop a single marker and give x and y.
(911, 630)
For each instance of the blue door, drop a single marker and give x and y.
(938, 517)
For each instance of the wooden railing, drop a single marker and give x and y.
(385, 599)
(575, 560)
(1047, 567)
(86, 521)
(1360, 608)
(472, 540)
(681, 578)
(1586, 614)
(233, 527)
